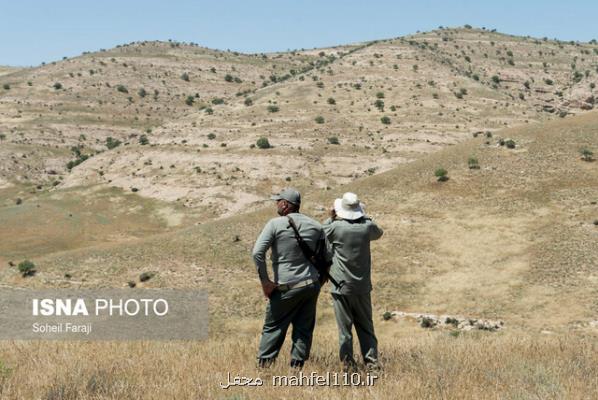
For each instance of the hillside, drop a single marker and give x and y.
(435, 89)
(513, 240)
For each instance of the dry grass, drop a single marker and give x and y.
(417, 364)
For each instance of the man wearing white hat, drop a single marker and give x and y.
(293, 292)
(349, 232)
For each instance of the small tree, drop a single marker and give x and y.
(27, 268)
(57, 86)
(190, 100)
(441, 174)
(112, 143)
(495, 79)
(379, 104)
(385, 120)
(473, 163)
(263, 143)
(143, 140)
(586, 154)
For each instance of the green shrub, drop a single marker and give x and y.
(57, 86)
(27, 268)
(473, 163)
(143, 140)
(495, 79)
(248, 101)
(211, 136)
(548, 81)
(331, 101)
(385, 120)
(209, 111)
(263, 143)
(441, 174)
(379, 104)
(141, 92)
(229, 78)
(319, 119)
(217, 101)
(380, 95)
(273, 109)
(586, 154)
(6, 86)
(510, 144)
(185, 76)
(122, 89)
(333, 140)
(112, 143)
(190, 100)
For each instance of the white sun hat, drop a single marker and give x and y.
(349, 207)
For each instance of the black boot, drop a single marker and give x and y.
(297, 364)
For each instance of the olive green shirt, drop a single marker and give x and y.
(351, 257)
(288, 261)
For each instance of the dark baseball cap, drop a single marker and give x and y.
(289, 194)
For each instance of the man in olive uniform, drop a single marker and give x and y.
(293, 293)
(349, 232)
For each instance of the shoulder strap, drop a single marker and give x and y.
(307, 251)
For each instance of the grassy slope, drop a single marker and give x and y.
(513, 240)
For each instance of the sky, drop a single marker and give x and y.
(32, 32)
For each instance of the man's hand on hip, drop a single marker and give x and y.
(268, 287)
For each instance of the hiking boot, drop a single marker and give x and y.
(297, 364)
(265, 362)
(373, 367)
(349, 365)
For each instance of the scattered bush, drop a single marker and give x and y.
(229, 78)
(6, 86)
(27, 268)
(185, 76)
(473, 163)
(548, 81)
(385, 120)
(441, 174)
(112, 143)
(57, 86)
(495, 79)
(217, 101)
(273, 109)
(248, 101)
(211, 136)
(379, 104)
(331, 101)
(380, 95)
(586, 154)
(122, 89)
(319, 119)
(190, 100)
(510, 144)
(333, 140)
(263, 143)
(143, 140)
(141, 92)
